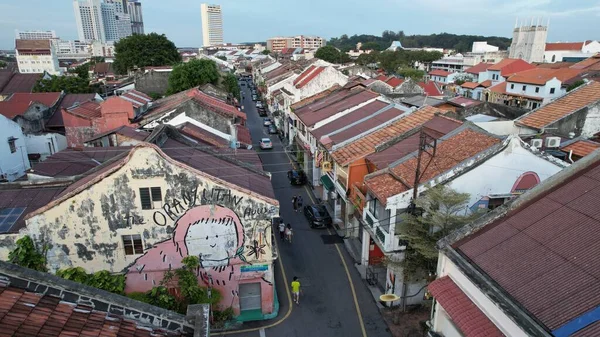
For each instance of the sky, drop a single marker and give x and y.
(257, 20)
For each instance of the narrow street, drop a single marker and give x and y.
(328, 304)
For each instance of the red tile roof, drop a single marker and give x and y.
(478, 68)
(581, 148)
(591, 63)
(465, 314)
(116, 104)
(394, 81)
(137, 98)
(463, 101)
(544, 252)
(440, 73)
(470, 85)
(561, 107)
(366, 145)
(25, 313)
(90, 109)
(451, 151)
(565, 46)
(486, 83)
(18, 103)
(243, 134)
(216, 104)
(509, 67)
(539, 76)
(430, 88)
(310, 77)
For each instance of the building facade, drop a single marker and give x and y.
(529, 42)
(212, 25)
(36, 57)
(90, 23)
(277, 44)
(134, 9)
(117, 24)
(13, 152)
(35, 35)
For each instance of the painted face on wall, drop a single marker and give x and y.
(213, 233)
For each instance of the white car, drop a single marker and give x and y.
(259, 104)
(266, 144)
(266, 121)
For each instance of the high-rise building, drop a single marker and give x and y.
(276, 44)
(36, 35)
(212, 25)
(120, 5)
(101, 21)
(529, 41)
(134, 9)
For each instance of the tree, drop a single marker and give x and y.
(328, 53)
(461, 79)
(443, 211)
(415, 74)
(266, 52)
(140, 50)
(82, 71)
(2, 64)
(192, 74)
(372, 45)
(68, 84)
(27, 255)
(231, 85)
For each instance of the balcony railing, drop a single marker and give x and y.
(380, 234)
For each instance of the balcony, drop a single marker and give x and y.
(358, 197)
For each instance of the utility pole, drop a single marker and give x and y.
(427, 144)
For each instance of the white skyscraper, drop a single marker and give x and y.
(134, 9)
(212, 24)
(101, 21)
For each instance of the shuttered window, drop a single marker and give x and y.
(145, 198)
(150, 197)
(133, 244)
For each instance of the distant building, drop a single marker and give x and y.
(101, 21)
(35, 35)
(117, 24)
(212, 25)
(134, 9)
(529, 42)
(570, 51)
(36, 57)
(483, 47)
(277, 44)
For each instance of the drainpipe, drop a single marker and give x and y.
(570, 156)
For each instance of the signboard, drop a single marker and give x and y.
(251, 268)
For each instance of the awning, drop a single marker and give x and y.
(327, 182)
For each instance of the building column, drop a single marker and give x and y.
(364, 254)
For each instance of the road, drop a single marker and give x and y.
(328, 305)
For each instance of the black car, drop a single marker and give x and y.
(317, 216)
(262, 112)
(297, 177)
(254, 98)
(272, 129)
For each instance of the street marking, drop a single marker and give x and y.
(262, 332)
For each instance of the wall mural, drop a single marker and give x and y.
(214, 234)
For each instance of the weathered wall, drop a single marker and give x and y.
(381, 87)
(32, 119)
(86, 229)
(45, 144)
(152, 82)
(578, 122)
(408, 87)
(12, 164)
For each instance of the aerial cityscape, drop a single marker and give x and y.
(232, 169)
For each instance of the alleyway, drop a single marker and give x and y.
(328, 305)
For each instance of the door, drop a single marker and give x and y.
(250, 298)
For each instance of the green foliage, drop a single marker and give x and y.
(155, 95)
(160, 297)
(2, 64)
(220, 317)
(415, 74)
(141, 50)
(462, 78)
(444, 210)
(114, 283)
(575, 85)
(366, 59)
(27, 255)
(192, 74)
(231, 85)
(332, 55)
(461, 43)
(391, 61)
(138, 296)
(372, 45)
(266, 52)
(68, 84)
(82, 71)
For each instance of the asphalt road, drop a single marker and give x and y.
(328, 306)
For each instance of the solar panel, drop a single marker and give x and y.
(8, 218)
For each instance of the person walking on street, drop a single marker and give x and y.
(281, 229)
(289, 233)
(299, 201)
(296, 290)
(295, 203)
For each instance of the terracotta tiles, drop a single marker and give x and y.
(467, 317)
(439, 73)
(581, 148)
(394, 81)
(470, 85)
(366, 145)
(539, 76)
(558, 109)
(574, 46)
(509, 67)
(478, 68)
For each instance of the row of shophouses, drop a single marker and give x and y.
(360, 150)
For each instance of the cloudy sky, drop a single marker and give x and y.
(256, 20)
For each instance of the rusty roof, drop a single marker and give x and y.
(366, 145)
(18, 103)
(72, 162)
(30, 199)
(581, 148)
(465, 314)
(543, 251)
(315, 97)
(327, 107)
(25, 313)
(202, 135)
(562, 107)
(34, 45)
(454, 148)
(352, 117)
(20, 83)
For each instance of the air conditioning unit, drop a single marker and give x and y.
(552, 142)
(537, 143)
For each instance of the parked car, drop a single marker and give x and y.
(266, 121)
(259, 104)
(242, 84)
(297, 177)
(272, 129)
(317, 216)
(265, 144)
(262, 112)
(254, 98)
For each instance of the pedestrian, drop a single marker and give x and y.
(295, 203)
(281, 229)
(296, 290)
(289, 233)
(299, 201)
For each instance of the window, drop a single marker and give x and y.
(537, 90)
(12, 145)
(552, 90)
(133, 244)
(512, 86)
(524, 87)
(150, 197)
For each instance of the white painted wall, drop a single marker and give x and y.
(592, 47)
(45, 144)
(543, 91)
(500, 128)
(12, 164)
(592, 122)
(325, 80)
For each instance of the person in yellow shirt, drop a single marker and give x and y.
(296, 290)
